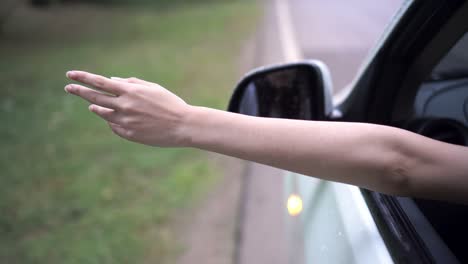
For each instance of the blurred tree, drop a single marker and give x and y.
(40, 3)
(6, 9)
(43, 3)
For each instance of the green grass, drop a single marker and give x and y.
(70, 191)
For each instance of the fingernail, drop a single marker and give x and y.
(68, 88)
(116, 78)
(91, 108)
(71, 74)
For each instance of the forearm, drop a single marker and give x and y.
(359, 154)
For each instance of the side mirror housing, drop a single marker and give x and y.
(300, 90)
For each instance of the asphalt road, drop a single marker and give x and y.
(338, 32)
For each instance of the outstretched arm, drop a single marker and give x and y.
(379, 158)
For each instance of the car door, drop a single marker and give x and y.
(398, 86)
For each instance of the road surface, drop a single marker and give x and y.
(340, 33)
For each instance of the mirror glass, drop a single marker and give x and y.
(284, 92)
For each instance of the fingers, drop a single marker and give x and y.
(105, 113)
(134, 80)
(92, 96)
(112, 120)
(97, 81)
(118, 130)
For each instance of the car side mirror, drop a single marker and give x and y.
(294, 90)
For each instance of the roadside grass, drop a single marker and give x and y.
(70, 191)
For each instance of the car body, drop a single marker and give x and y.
(416, 78)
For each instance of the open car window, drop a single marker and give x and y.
(455, 64)
(441, 113)
(444, 96)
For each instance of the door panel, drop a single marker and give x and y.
(335, 224)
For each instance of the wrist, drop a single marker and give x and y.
(190, 125)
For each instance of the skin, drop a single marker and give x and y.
(379, 158)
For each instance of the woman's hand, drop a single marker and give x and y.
(136, 110)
